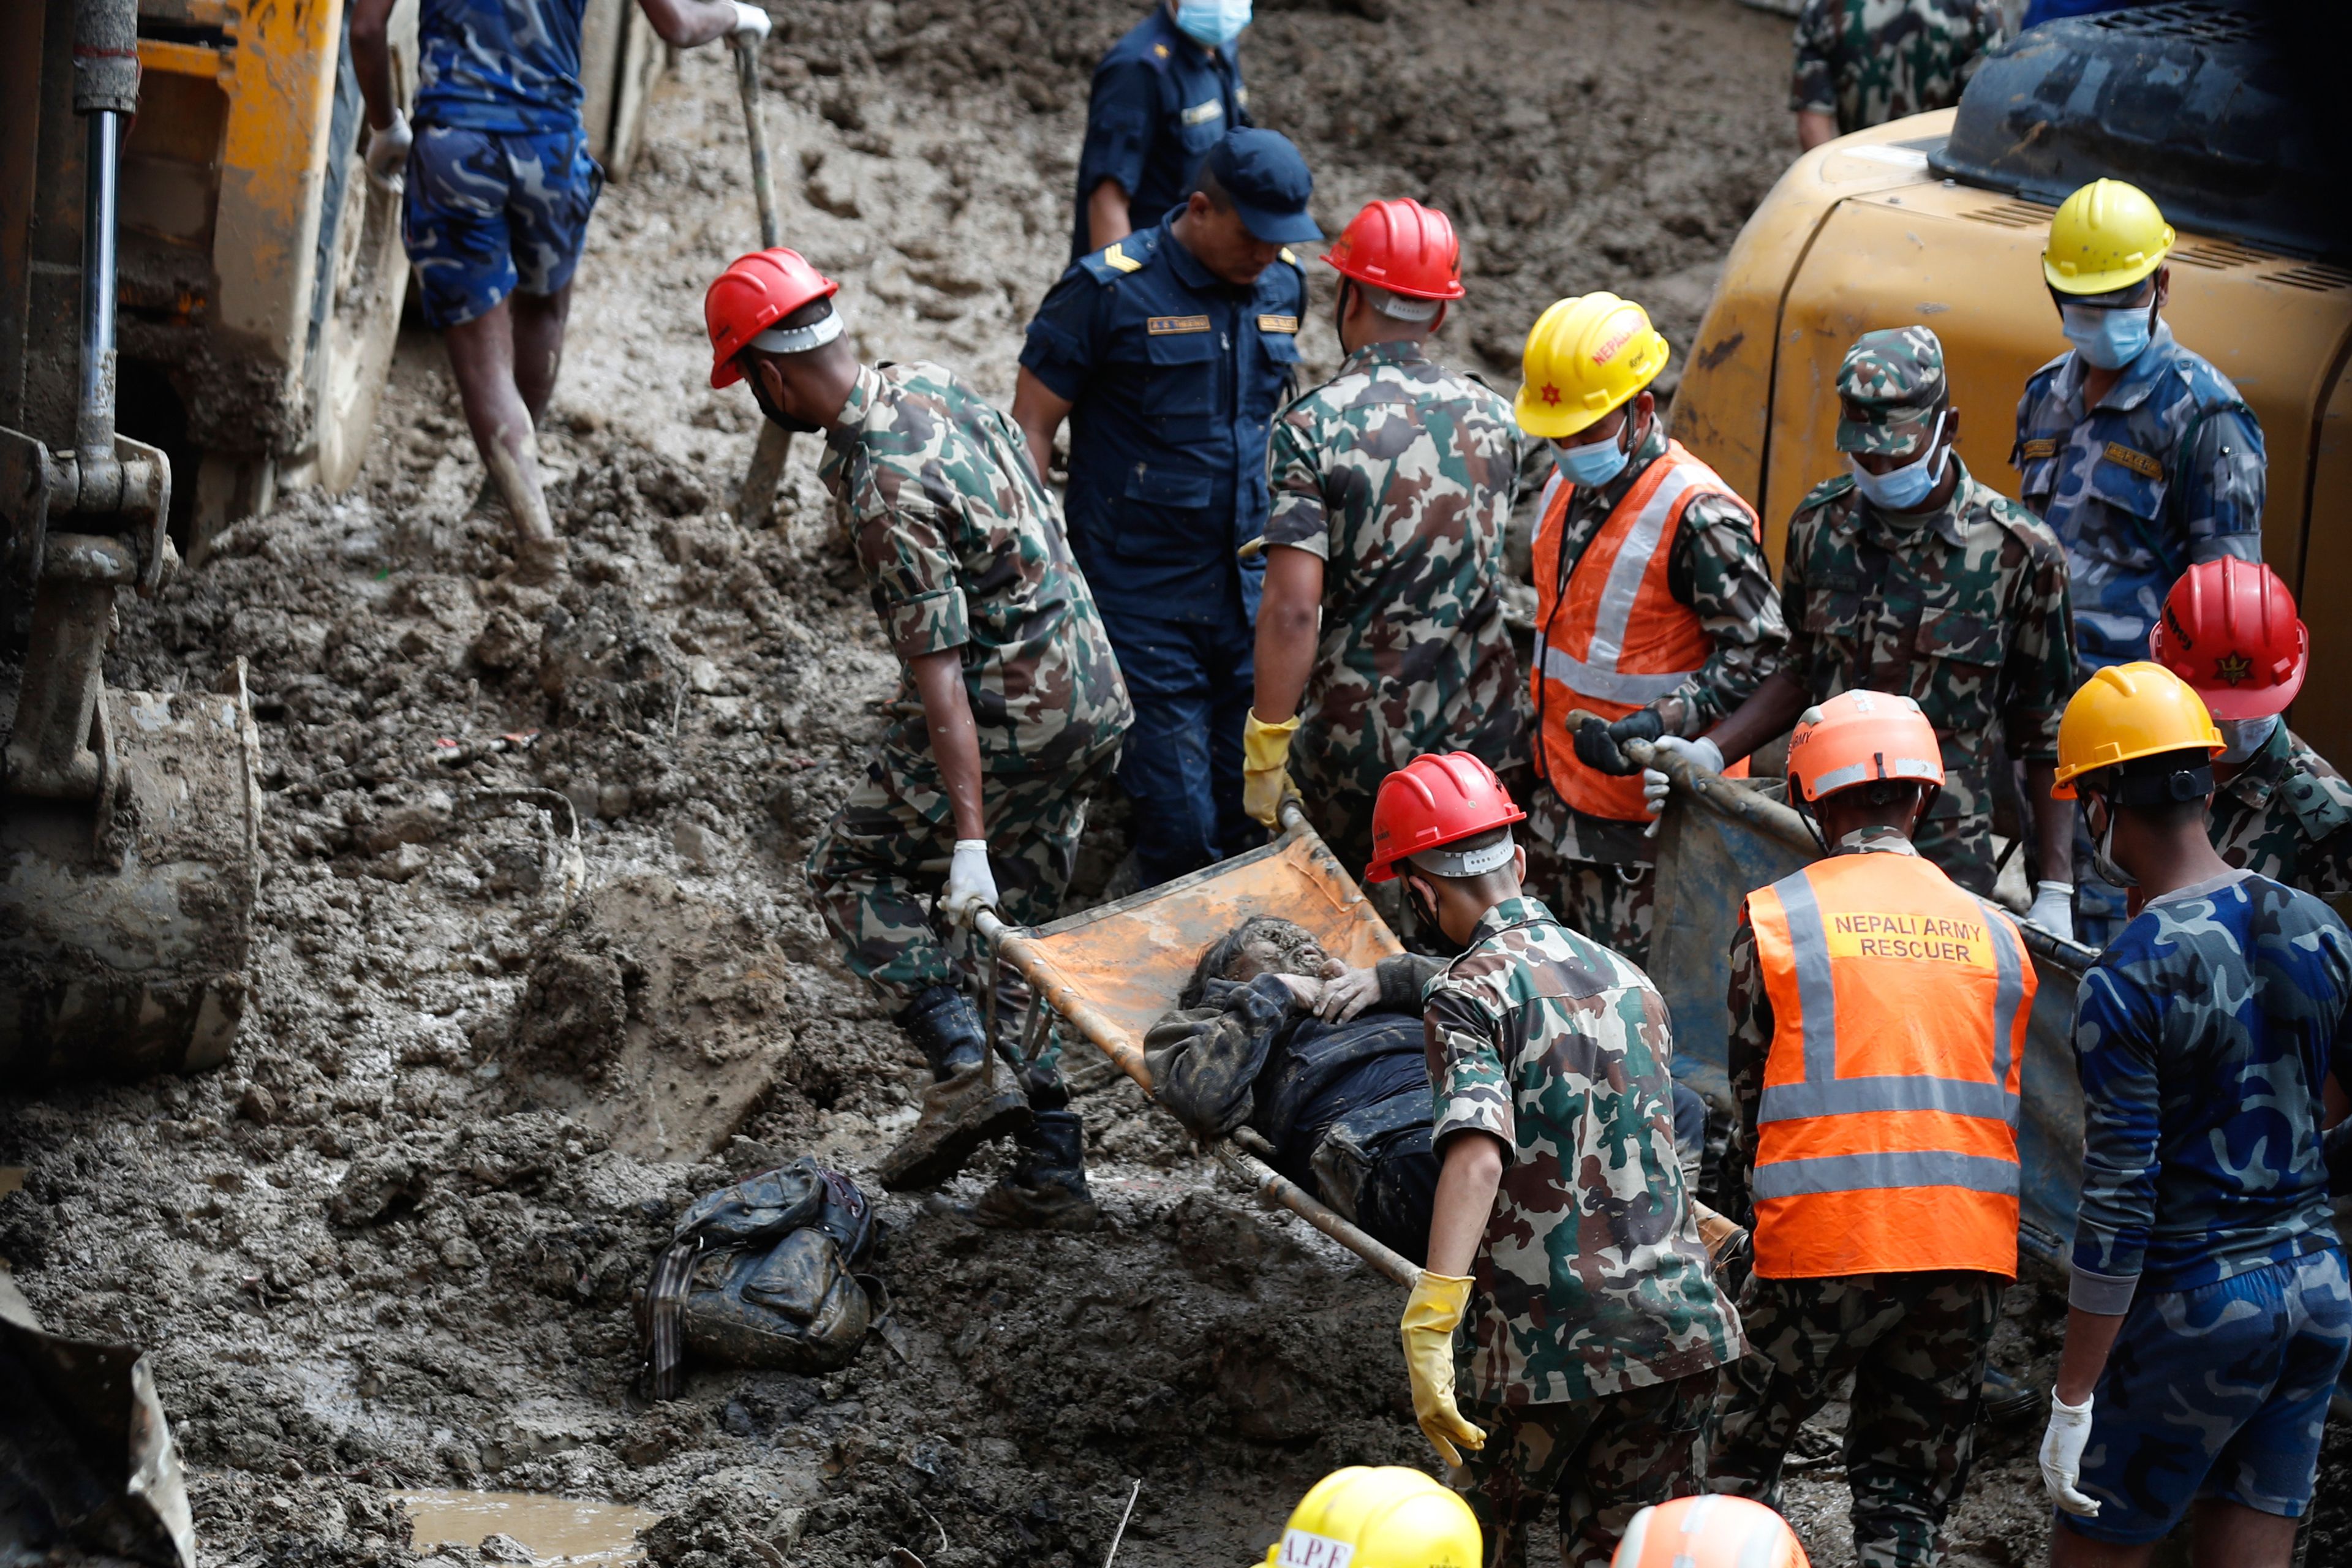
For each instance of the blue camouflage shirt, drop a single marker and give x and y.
(2166, 471)
(1176, 376)
(511, 65)
(2202, 1035)
(1160, 102)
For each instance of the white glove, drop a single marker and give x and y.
(1655, 787)
(752, 23)
(972, 887)
(387, 150)
(2054, 909)
(2062, 1454)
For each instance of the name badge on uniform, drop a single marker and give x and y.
(1202, 113)
(1277, 323)
(2139, 463)
(2040, 446)
(1162, 326)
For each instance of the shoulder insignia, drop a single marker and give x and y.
(2322, 806)
(1289, 256)
(2040, 446)
(1162, 326)
(1161, 50)
(2139, 463)
(1117, 257)
(1277, 323)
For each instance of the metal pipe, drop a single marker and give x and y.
(94, 421)
(1272, 1185)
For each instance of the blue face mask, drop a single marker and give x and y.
(2242, 737)
(2108, 337)
(1594, 463)
(1212, 23)
(1908, 487)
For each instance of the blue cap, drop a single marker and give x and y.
(1268, 182)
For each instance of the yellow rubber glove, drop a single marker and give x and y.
(1265, 758)
(1431, 1315)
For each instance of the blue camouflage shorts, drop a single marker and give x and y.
(489, 212)
(2219, 1392)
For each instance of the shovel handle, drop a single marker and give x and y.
(763, 178)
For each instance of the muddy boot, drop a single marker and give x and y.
(1046, 1187)
(969, 1101)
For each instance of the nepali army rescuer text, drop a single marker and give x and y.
(1906, 574)
(1654, 609)
(1878, 1020)
(2210, 1311)
(1381, 635)
(1562, 1236)
(1169, 352)
(1008, 715)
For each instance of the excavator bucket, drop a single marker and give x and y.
(1714, 848)
(1115, 969)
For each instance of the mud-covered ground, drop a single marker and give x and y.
(393, 1243)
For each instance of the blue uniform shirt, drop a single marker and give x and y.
(2202, 1035)
(509, 65)
(1176, 376)
(2166, 471)
(1160, 102)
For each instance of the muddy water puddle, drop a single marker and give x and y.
(555, 1530)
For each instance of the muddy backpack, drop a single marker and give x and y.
(759, 1274)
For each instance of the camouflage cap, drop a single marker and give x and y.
(1890, 389)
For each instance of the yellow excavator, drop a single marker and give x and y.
(200, 292)
(1940, 220)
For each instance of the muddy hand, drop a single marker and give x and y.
(1347, 994)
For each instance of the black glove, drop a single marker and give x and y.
(1599, 745)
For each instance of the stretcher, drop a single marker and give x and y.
(1112, 971)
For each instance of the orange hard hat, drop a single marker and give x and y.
(1434, 801)
(753, 294)
(2229, 630)
(1859, 737)
(1710, 1530)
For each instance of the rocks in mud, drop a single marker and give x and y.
(375, 1187)
(609, 663)
(576, 1002)
(507, 642)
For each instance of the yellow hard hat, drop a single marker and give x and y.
(1584, 357)
(2106, 235)
(2136, 710)
(1383, 1517)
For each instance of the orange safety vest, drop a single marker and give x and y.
(1886, 1140)
(1616, 639)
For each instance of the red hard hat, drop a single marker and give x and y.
(1403, 247)
(2229, 630)
(1431, 802)
(755, 293)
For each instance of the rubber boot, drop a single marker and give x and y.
(969, 1103)
(1046, 1187)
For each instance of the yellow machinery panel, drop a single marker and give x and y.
(1859, 235)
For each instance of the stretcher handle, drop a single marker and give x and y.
(1728, 797)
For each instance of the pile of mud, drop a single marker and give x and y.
(536, 963)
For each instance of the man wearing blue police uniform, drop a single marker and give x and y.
(1163, 97)
(1169, 352)
(2137, 451)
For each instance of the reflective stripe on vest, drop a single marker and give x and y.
(1633, 606)
(1906, 1159)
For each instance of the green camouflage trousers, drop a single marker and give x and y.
(1606, 1460)
(877, 866)
(1916, 1346)
(1597, 877)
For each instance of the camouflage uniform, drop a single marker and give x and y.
(1400, 474)
(963, 548)
(1870, 62)
(1963, 609)
(1915, 1345)
(2287, 816)
(2201, 1036)
(1595, 1320)
(2166, 471)
(1601, 872)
